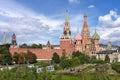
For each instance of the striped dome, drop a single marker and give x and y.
(95, 36)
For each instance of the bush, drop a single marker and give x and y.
(116, 67)
(56, 58)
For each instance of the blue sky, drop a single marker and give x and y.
(37, 21)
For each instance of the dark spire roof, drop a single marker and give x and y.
(14, 34)
(48, 43)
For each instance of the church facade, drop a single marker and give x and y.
(82, 42)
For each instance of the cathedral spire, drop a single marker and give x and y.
(4, 39)
(66, 18)
(85, 30)
(85, 21)
(85, 16)
(48, 44)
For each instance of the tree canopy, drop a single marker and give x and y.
(5, 56)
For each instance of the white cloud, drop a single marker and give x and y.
(29, 26)
(74, 1)
(109, 27)
(91, 6)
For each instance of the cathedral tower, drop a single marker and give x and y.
(66, 40)
(109, 46)
(48, 46)
(78, 42)
(85, 35)
(96, 39)
(13, 42)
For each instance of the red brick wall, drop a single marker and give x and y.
(40, 53)
(67, 44)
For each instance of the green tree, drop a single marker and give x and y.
(63, 62)
(116, 66)
(24, 45)
(44, 75)
(22, 58)
(5, 56)
(16, 57)
(30, 57)
(76, 54)
(56, 58)
(84, 58)
(93, 59)
(107, 59)
(34, 46)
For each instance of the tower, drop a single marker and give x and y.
(85, 35)
(78, 42)
(109, 47)
(4, 39)
(96, 39)
(66, 30)
(48, 46)
(66, 40)
(13, 42)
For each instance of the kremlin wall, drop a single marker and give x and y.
(81, 42)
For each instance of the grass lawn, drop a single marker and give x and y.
(88, 77)
(70, 78)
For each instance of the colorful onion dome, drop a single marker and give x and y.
(87, 43)
(78, 37)
(95, 36)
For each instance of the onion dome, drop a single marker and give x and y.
(87, 43)
(95, 36)
(78, 37)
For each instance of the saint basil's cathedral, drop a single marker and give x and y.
(81, 42)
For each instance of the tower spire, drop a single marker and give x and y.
(85, 20)
(77, 30)
(66, 18)
(85, 30)
(85, 16)
(4, 39)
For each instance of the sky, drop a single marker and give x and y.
(37, 21)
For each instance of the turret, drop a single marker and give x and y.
(85, 30)
(48, 46)
(66, 31)
(95, 39)
(66, 40)
(109, 46)
(78, 42)
(85, 35)
(13, 41)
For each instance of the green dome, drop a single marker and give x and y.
(87, 43)
(95, 36)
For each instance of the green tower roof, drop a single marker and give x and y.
(95, 36)
(4, 38)
(109, 46)
(66, 19)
